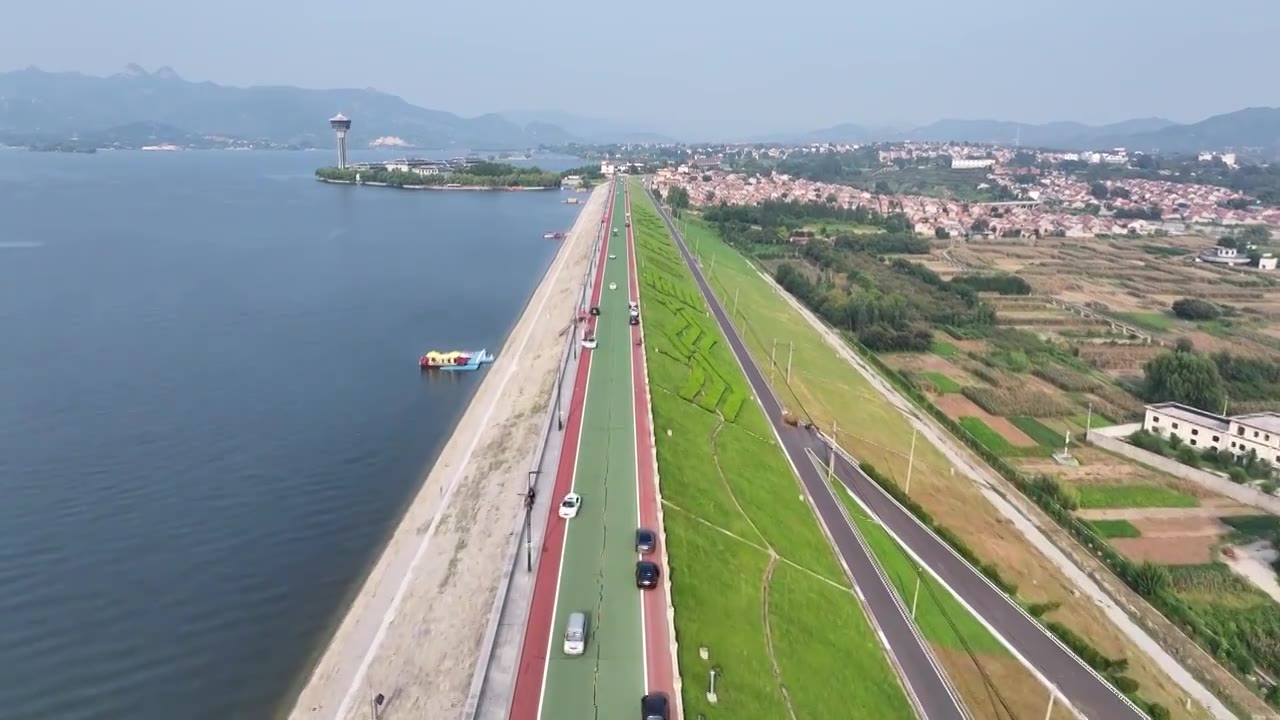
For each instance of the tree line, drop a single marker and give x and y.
(495, 175)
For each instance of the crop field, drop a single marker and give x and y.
(1133, 496)
(832, 392)
(753, 578)
(1115, 528)
(941, 383)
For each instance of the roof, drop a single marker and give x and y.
(1186, 413)
(1266, 421)
(338, 118)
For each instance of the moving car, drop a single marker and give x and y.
(655, 706)
(646, 541)
(647, 574)
(569, 506)
(595, 310)
(575, 634)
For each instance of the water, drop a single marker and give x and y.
(211, 415)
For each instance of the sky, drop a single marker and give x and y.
(700, 68)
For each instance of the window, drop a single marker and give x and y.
(1175, 426)
(1195, 431)
(1155, 419)
(1193, 441)
(1215, 438)
(1240, 431)
(1255, 433)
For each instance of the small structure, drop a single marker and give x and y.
(1219, 255)
(1267, 262)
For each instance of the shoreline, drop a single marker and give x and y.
(463, 188)
(414, 629)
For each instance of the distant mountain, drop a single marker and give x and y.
(587, 129)
(59, 105)
(1249, 128)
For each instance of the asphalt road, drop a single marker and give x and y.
(1075, 681)
(926, 684)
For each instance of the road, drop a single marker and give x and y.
(1075, 681)
(587, 564)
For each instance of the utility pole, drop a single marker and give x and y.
(1053, 695)
(790, 353)
(911, 459)
(773, 359)
(528, 520)
(735, 301)
(915, 596)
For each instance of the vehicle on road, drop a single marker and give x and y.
(569, 506)
(575, 634)
(655, 706)
(647, 574)
(615, 231)
(595, 310)
(646, 541)
(633, 320)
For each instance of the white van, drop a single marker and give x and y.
(575, 634)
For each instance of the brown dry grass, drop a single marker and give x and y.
(958, 406)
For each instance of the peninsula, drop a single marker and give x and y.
(460, 174)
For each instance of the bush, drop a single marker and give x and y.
(1195, 309)
(1158, 712)
(1124, 684)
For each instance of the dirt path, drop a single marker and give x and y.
(768, 631)
(414, 631)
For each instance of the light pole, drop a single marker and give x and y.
(529, 497)
(911, 459)
(790, 354)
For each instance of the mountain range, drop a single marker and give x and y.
(1257, 128)
(140, 107)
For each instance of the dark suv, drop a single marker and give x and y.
(646, 541)
(655, 706)
(647, 574)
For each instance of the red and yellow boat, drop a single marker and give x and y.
(454, 360)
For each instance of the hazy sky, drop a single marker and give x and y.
(697, 66)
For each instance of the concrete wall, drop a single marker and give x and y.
(1108, 439)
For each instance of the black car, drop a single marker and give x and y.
(633, 320)
(646, 541)
(655, 706)
(595, 310)
(647, 574)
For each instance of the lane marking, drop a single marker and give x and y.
(577, 457)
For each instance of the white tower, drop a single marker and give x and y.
(341, 124)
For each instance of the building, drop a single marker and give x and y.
(606, 168)
(571, 181)
(341, 124)
(1219, 255)
(1267, 262)
(1241, 434)
(962, 163)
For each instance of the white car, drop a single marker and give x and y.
(569, 506)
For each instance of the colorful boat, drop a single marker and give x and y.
(455, 360)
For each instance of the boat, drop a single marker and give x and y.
(455, 360)
(553, 236)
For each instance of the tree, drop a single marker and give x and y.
(1099, 190)
(1195, 309)
(1229, 241)
(980, 225)
(941, 233)
(1187, 378)
(882, 188)
(1255, 234)
(1185, 345)
(678, 198)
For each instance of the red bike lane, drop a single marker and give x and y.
(527, 696)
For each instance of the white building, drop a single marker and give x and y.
(1267, 262)
(606, 168)
(958, 163)
(1222, 256)
(571, 181)
(1259, 432)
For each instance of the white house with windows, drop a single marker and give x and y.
(1259, 432)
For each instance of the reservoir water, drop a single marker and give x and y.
(211, 414)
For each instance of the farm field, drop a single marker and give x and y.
(753, 578)
(833, 393)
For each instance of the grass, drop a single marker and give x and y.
(1253, 527)
(941, 618)
(943, 383)
(984, 434)
(824, 646)
(1133, 496)
(1155, 321)
(1115, 528)
(870, 427)
(944, 349)
(1085, 421)
(1038, 431)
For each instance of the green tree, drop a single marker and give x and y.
(1195, 309)
(1184, 377)
(1099, 190)
(882, 188)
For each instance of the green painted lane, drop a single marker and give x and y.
(598, 573)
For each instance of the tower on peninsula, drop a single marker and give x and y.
(341, 124)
